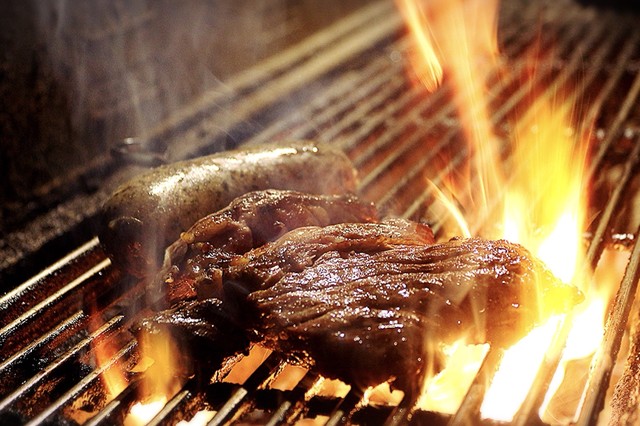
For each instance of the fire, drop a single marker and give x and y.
(161, 379)
(113, 379)
(515, 376)
(544, 201)
(443, 391)
(540, 191)
(142, 412)
(461, 35)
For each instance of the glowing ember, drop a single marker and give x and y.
(141, 413)
(201, 418)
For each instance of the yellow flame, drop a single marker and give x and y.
(142, 412)
(544, 203)
(542, 187)
(451, 209)
(583, 341)
(516, 373)
(162, 377)
(446, 390)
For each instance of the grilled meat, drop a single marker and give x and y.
(194, 263)
(373, 302)
(146, 214)
(367, 309)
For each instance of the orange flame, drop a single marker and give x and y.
(542, 187)
(461, 36)
(113, 379)
(430, 70)
(162, 377)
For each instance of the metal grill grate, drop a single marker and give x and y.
(355, 92)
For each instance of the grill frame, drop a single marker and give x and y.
(78, 293)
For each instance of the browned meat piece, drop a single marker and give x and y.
(369, 303)
(146, 214)
(300, 248)
(205, 333)
(373, 302)
(194, 263)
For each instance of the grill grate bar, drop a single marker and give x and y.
(24, 294)
(293, 406)
(377, 77)
(91, 380)
(113, 412)
(82, 347)
(174, 403)
(617, 125)
(259, 378)
(10, 330)
(604, 360)
(73, 323)
(468, 412)
(618, 70)
(344, 408)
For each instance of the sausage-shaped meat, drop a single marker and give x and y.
(146, 214)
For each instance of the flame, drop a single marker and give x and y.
(515, 376)
(161, 379)
(430, 70)
(544, 203)
(458, 36)
(113, 379)
(158, 360)
(445, 391)
(540, 190)
(142, 412)
(451, 209)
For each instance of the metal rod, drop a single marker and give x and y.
(469, 410)
(605, 358)
(260, 377)
(83, 345)
(81, 386)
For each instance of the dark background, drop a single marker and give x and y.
(76, 78)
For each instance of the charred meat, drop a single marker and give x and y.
(146, 214)
(373, 302)
(367, 308)
(194, 263)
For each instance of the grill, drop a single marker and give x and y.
(346, 85)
